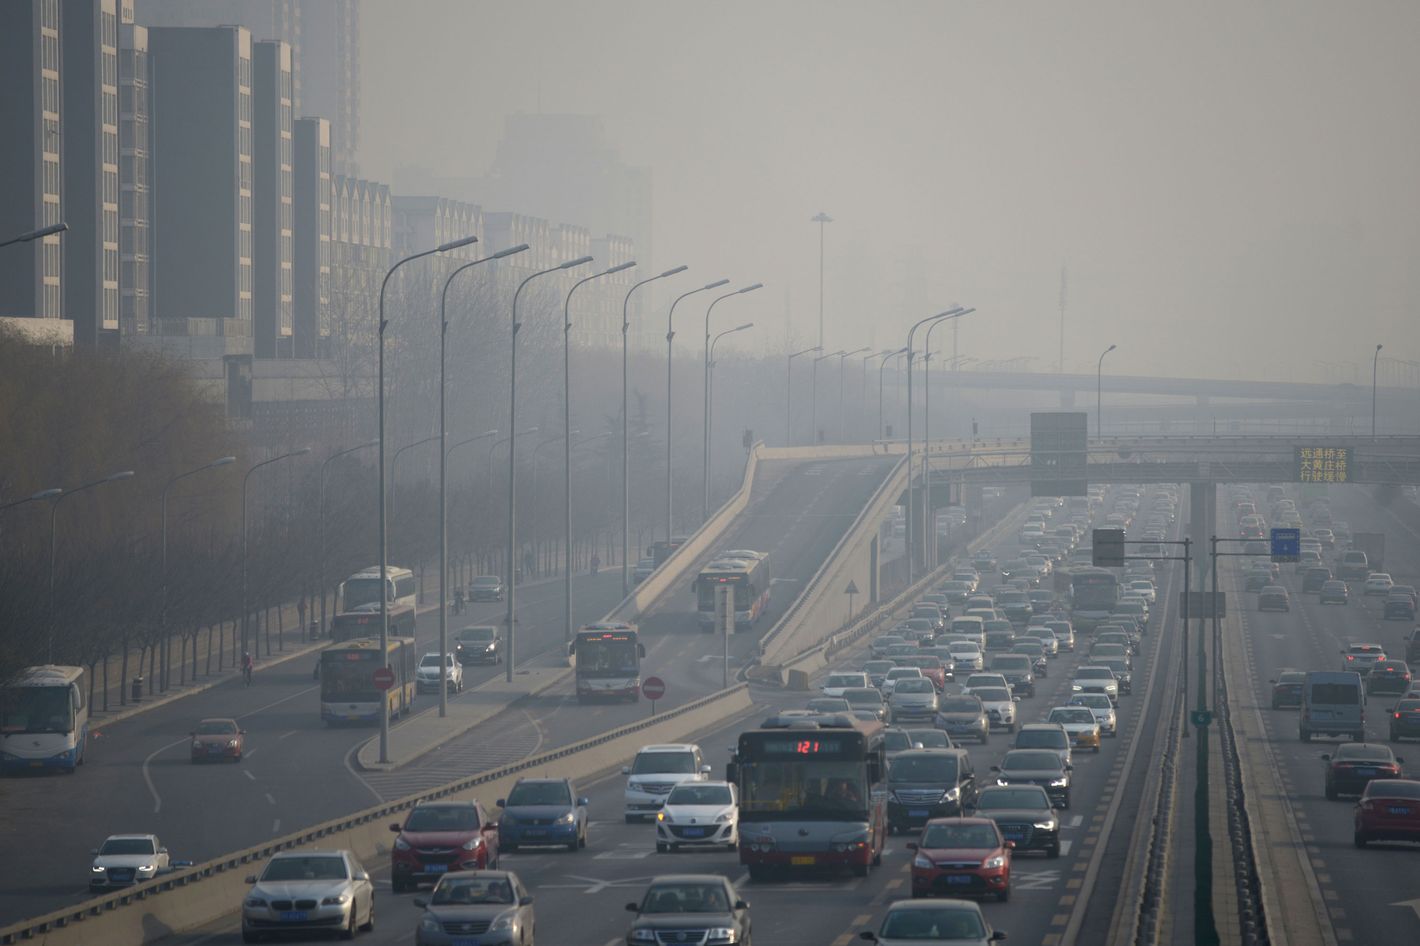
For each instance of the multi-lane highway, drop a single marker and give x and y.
(1368, 896)
(297, 772)
(580, 895)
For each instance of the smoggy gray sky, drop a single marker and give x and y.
(1233, 186)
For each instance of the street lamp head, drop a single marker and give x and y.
(620, 267)
(715, 285)
(455, 244)
(572, 263)
(510, 251)
(1110, 349)
(821, 217)
(1379, 347)
(115, 477)
(222, 461)
(47, 494)
(857, 351)
(300, 453)
(741, 328)
(671, 272)
(752, 288)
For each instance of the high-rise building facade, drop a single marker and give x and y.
(272, 198)
(89, 131)
(135, 191)
(202, 167)
(30, 64)
(311, 230)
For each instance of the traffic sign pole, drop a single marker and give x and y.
(653, 688)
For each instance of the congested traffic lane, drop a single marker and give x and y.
(580, 896)
(1365, 891)
(137, 777)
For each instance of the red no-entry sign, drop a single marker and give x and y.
(384, 678)
(653, 688)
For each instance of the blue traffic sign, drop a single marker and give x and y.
(1286, 545)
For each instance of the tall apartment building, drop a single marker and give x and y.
(135, 189)
(89, 48)
(311, 231)
(324, 36)
(362, 233)
(202, 167)
(272, 199)
(30, 165)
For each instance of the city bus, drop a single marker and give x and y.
(44, 719)
(347, 680)
(358, 613)
(607, 658)
(748, 576)
(1094, 592)
(810, 794)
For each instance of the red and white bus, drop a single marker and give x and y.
(747, 574)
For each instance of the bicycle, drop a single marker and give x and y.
(246, 675)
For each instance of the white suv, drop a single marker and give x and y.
(426, 675)
(655, 771)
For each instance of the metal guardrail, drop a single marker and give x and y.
(99, 906)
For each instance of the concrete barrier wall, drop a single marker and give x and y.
(197, 896)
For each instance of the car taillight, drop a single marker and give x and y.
(1350, 657)
(1397, 715)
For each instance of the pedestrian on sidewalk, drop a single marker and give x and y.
(596, 563)
(529, 564)
(301, 611)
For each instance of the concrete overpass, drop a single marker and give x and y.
(1200, 388)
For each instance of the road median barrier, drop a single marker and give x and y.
(193, 897)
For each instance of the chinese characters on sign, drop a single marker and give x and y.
(1323, 464)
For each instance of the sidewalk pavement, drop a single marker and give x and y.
(412, 738)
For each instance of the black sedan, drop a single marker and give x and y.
(1388, 676)
(1042, 767)
(1355, 764)
(485, 588)
(1335, 592)
(1287, 689)
(691, 905)
(1399, 607)
(1405, 720)
(1025, 815)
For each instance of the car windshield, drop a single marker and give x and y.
(845, 679)
(878, 666)
(914, 685)
(1093, 700)
(959, 835)
(310, 867)
(1094, 673)
(456, 890)
(960, 705)
(664, 763)
(1010, 662)
(1042, 738)
(429, 660)
(487, 581)
(996, 799)
(1362, 753)
(932, 924)
(1017, 760)
(217, 727)
(1072, 716)
(116, 846)
(994, 694)
(896, 740)
(686, 898)
(1393, 788)
(899, 673)
(539, 793)
(477, 634)
(695, 794)
(443, 818)
(829, 704)
(1406, 706)
(863, 696)
(924, 768)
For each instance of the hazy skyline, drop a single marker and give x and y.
(1231, 186)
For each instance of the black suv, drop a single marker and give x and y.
(928, 783)
(688, 908)
(485, 588)
(478, 645)
(1412, 646)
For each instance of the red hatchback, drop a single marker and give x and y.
(439, 838)
(961, 857)
(1389, 810)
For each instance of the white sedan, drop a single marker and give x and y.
(1378, 583)
(699, 814)
(1145, 589)
(840, 681)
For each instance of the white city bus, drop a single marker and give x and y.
(358, 614)
(44, 719)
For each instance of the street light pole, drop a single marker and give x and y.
(163, 601)
(510, 632)
(50, 230)
(1375, 366)
(710, 409)
(394, 465)
(863, 387)
(789, 394)
(58, 496)
(705, 413)
(953, 312)
(383, 519)
(890, 356)
(246, 637)
(821, 219)
(1099, 391)
(670, 336)
(813, 395)
(320, 515)
(443, 470)
(567, 446)
(626, 427)
(842, 357)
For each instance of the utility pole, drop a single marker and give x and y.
(1060, 364)
(821, 218)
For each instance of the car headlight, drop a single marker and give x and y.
(725, 816)
(953, 793)
(643, 936)
(721, 934)
(98, 870)
(335, 901)
(567, 818)
(1044, 826)
(197, 743)
(400, 844)
(665, 816)
(145, 868)
(991, 863)
(231, 744)
(922, 861)
(504, 920)
(1076, 687)
(255, 903)
(490, 646)
(428, 924)
(1059, 783)
(472, 844)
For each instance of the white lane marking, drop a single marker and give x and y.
(1065, 846)
(276, 826)
(270, 800)
(1076, 821)
(247, 773)
(287, 735)
(148, 777)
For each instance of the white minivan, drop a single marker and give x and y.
(655, 771)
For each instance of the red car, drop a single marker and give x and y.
(931, 668)
(959, 857)
(1389, 810)
(218, 740)
(439, 838)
